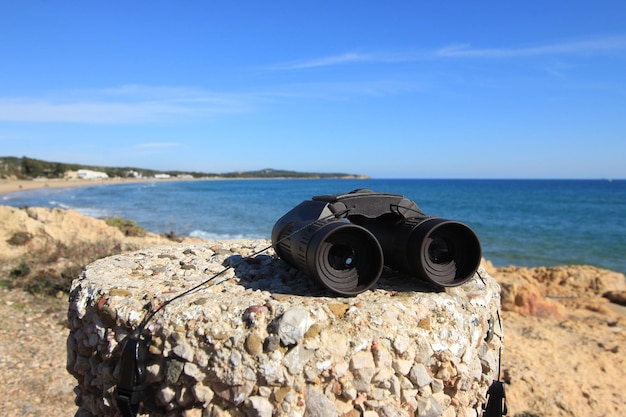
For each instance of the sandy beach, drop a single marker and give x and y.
(12, 186)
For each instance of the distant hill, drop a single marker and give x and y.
(29, 168)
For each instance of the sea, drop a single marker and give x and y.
(519, 222)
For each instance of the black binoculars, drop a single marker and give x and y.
(343, 240)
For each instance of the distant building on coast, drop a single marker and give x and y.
(85, 174)
(133, 174)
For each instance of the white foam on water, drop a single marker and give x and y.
(201, 234)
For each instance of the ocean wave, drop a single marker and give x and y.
(98, 213)
(59, 205)
(201, 234)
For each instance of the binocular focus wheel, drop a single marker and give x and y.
(344, 258)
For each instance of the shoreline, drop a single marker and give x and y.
(14, 186)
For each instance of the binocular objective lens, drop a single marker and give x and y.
(341, 257)
(344, 257)
(440, 251)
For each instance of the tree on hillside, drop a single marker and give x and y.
(32, 167)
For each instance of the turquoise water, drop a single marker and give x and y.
(519, 222)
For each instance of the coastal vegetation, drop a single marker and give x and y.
(52, 268)
(126, 226)
(43, 250)
(30, 168)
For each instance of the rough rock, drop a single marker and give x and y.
(546, 291)
(562, 281)
(261, 335)
(540, 381)
(617, 297)
(47, 226)
(64, 237)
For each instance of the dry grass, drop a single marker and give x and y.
(51, 268)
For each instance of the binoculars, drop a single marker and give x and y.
(343, 241)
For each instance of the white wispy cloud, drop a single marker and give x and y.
(126, 104)
(135, 104)
(375, 57)
(576, 47)
(326, 61)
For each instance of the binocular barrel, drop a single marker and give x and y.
(343, 241)
(343, 257)
(433, 249)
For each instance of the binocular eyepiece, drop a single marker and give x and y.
(342, 241)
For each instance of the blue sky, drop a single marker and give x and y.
(398, 89)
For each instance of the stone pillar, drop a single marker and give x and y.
(262, 340)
